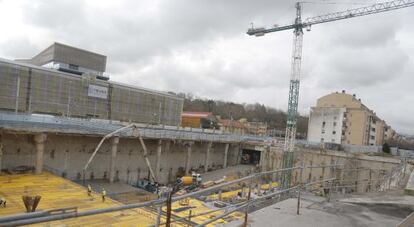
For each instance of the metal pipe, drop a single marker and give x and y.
(55, 217)
(23, 216)
(17, 95)
(101, 142)
(154, 178)
(159, 209)
(246, 212)
(300, 186)
(323, 166)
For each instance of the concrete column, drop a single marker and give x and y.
(158, 164)
(1, 151)
(226, 151)
(114, 150)
(207, 161)
(40, 149)
(188, 159)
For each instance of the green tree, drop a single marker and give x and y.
(386, 148)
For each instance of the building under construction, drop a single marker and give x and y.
(67, 81)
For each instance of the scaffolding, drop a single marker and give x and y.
(31, 89)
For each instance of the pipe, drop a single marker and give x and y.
(101, 142)
(55, 217)
(23, 216)
(146, 158)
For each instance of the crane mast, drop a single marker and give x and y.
(294, 84)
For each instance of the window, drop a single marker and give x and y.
(333, 140)
(334, 132)
(373, 129)
(373, 137)
(334, 124)
(322, 140)
(323, 131)
(323, 124)
(335, 117)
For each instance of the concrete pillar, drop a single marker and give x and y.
(114, 150)
(40, 149)
(226, 152)
(188, 159)
(1, 151)
(158, 164)
(207, 161)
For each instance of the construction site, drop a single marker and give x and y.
(77, 149)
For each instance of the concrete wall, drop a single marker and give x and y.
(358, 169)
(360, 149)
(69, 154)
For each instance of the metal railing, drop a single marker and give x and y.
(44, 123)
(253, 179)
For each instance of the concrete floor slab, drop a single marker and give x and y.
(318, 214)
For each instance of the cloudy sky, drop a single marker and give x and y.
(200, 47)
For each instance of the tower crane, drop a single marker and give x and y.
(298, 27)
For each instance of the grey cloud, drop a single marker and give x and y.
(364, 67)
(18, 48)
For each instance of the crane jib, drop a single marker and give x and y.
(341, 15)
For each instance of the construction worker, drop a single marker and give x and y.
(89, 190)
(103, 194)
(2, 202)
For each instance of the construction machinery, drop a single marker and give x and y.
(298, 26)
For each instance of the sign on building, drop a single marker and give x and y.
(97, 91)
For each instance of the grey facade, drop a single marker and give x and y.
(61, 53)
(31, 89)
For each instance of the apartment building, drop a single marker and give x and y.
(255, 127)
(341, 118)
